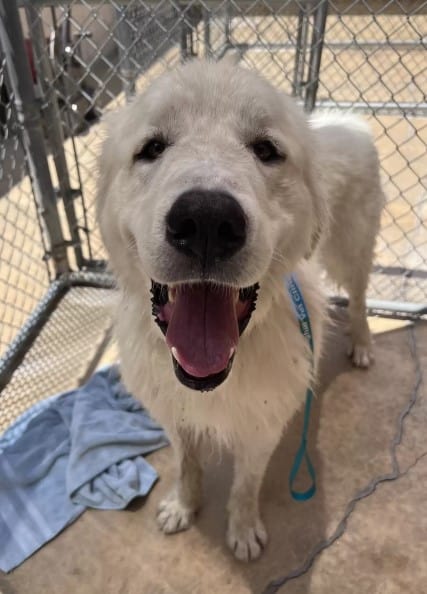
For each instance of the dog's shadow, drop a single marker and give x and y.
(294, 528)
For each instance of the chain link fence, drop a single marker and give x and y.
(64, 64)
(24, 273)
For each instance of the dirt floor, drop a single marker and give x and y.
(384, 544)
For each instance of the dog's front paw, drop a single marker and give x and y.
(247, 541)
(173, 515)
(361, 355)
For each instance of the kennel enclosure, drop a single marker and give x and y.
(64, 64)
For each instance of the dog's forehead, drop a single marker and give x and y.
(216, 92)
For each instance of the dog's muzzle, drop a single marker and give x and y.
(202, 321)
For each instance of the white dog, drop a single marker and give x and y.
(213, 186)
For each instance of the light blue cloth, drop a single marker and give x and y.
(81, 449)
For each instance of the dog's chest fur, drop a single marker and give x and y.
(268, 381)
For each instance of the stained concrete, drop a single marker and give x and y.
(383, 549)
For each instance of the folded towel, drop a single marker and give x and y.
(82, 449)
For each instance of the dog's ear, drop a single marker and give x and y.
(111, 122)
(303, 145)
(314, 183)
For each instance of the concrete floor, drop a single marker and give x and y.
(382, 551)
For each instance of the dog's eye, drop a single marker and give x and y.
(266, 152)
(151, 150)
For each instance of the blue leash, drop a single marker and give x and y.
(302, 454)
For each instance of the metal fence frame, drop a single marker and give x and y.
(75, 252)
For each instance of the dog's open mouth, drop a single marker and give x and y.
(202, 323)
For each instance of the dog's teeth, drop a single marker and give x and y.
(236, 298)
(171, 295)
(232, 351)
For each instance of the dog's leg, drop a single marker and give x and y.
(246, 534)
(350, 269)
(361, 344)
(176, 512)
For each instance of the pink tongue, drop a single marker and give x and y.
(203, 328)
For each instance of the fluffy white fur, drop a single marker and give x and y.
(326, 193)
(349, 175)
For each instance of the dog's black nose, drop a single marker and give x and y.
(206, 224)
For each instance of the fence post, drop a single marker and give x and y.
(319, 24)
(54, 128)
(127, 65)
(227, 25)
(28, 115)
(301, 51)
(207, 32)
